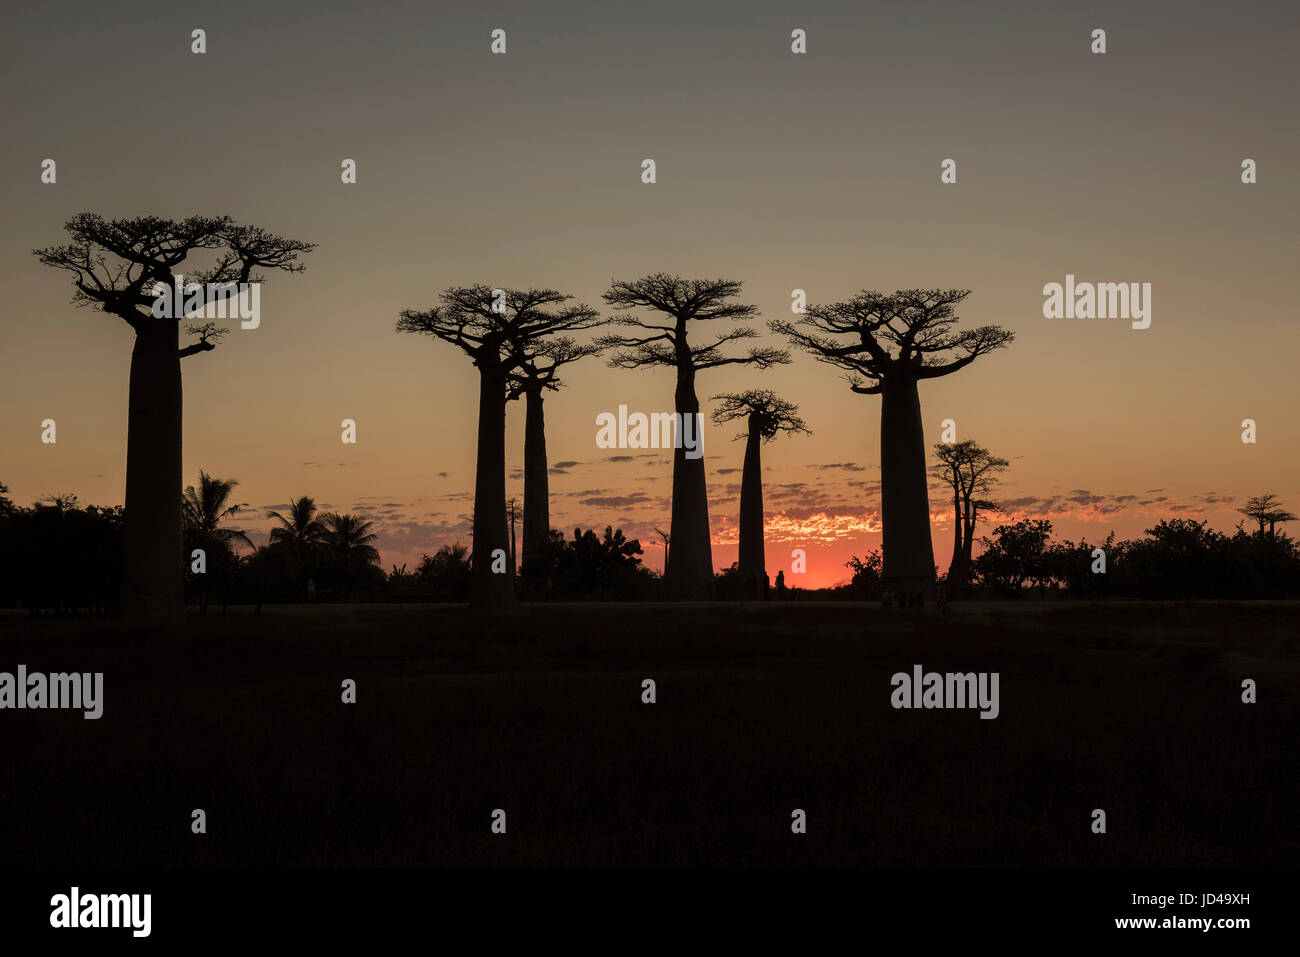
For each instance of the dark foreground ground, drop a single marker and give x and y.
(1132, 708)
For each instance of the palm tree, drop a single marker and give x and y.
(303, 536)
(350, 554)
(348, 537)
(203, 510)
(300, 530)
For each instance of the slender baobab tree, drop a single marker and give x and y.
(512, 515)
(495, 328)
(971, 471)
(667, 539)
(1266, 510)
(118, 266)
(665, 343)
(765, 417)
(535, 375)
(888, 344)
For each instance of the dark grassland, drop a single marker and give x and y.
(762, 708)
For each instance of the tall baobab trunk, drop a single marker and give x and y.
(537, 506)
(957, 567)
(752, 562)
(152, 572)
(488, 588)
(904, 492)
(690, 578)
(968, 543)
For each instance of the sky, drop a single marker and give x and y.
(818, 171)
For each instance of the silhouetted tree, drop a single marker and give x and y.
(116, 265)
(1267, 511)
(888, 344)
(203, 508)
(349, 537)
(865, 584)
(666, 343)
(302, 535)
(299, 529)
(765, 417)
(447, 572)
(512, 513)
(496, 333)
(59, 555)
(352, 559)
(1017, 555)
(667, 540)
(535, 375)
(971, 471)
(599, 568)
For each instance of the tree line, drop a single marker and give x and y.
(885, 344)
(62, 556)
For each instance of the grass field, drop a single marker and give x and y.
(761, 708)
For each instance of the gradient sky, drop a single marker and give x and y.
(818, 171)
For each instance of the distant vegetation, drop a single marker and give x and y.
(61, 556)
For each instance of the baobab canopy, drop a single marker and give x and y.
(887, 344)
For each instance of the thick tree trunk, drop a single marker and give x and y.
(152, 571)
(690, 576)
(537, 506)
(490, 589)
(905, 498)
(752, 562)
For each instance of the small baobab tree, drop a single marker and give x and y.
(496, 328)
(684, 303)
(117, 266)
(765, 417)
(971, 471)
(888, 344)
(1266, 510)
(535, 375)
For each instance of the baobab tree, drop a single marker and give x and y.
(118, 266)
(496, 328)
(535, 376)
(765, 417)
(888, 344)
(970, 470)
(1266, 510)
(666, 343)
